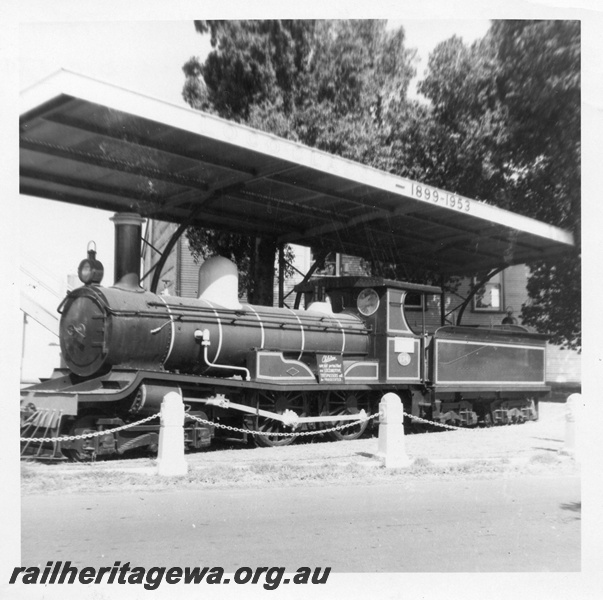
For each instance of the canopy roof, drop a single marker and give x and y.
(93, 144)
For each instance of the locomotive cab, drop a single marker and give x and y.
(398, 348)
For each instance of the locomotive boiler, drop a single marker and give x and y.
(102, 328)
(246, 366)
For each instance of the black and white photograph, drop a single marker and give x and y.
(295, 306)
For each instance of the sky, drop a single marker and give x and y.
(146, 57)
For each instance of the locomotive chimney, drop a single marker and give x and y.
(128, 233)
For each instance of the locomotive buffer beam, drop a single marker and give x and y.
(288, 417)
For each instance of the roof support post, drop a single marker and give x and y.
(281, 275)
(262, 271)
(319, 260)
(166, 253)
(442, 303)
(170, 246)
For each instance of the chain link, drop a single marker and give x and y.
(444, 425)
(421, 420)
(71, 438)
(318, 431)
(284, 434)
(83, 436)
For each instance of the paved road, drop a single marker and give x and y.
(528, 523)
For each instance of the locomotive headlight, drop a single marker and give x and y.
(90, 269)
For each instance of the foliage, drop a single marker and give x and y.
(204, 243)
(510, 105)
(554, 290)
(334, 85)
(502, 124)
(541, 73)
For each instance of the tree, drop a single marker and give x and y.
(252, 67)
(510, 104)
(502, 125)
(243, 251)
(328, 84)
(251, 63)
(541, 70)
(323, 83)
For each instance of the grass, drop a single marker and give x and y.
(67, 478)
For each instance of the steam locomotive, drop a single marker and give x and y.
(247, 366)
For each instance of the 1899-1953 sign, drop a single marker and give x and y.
(437, 196)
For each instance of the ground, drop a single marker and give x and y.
(533, 447)
(503, 500)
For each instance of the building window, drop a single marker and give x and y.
(413, 301)
(489, 297)
(331, 263)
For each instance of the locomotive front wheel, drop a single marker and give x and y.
(81, 450)
(346, 403)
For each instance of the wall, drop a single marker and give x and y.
(159, 233)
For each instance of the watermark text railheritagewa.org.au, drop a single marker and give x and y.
(63, 573)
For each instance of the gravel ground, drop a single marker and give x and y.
(523, 441)
(534, 447)
(513, 442)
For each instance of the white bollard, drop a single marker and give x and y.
(572, 413)
(391, 446)
(170, 458)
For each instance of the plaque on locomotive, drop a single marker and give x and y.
(330, 368)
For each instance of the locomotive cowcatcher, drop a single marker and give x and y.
(125, 348)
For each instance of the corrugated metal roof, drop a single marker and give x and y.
(94, 144)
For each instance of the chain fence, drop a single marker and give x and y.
(428, 422)
(83, 436)
(284, 433)
(364, 418)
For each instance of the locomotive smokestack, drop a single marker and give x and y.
(128, 230)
